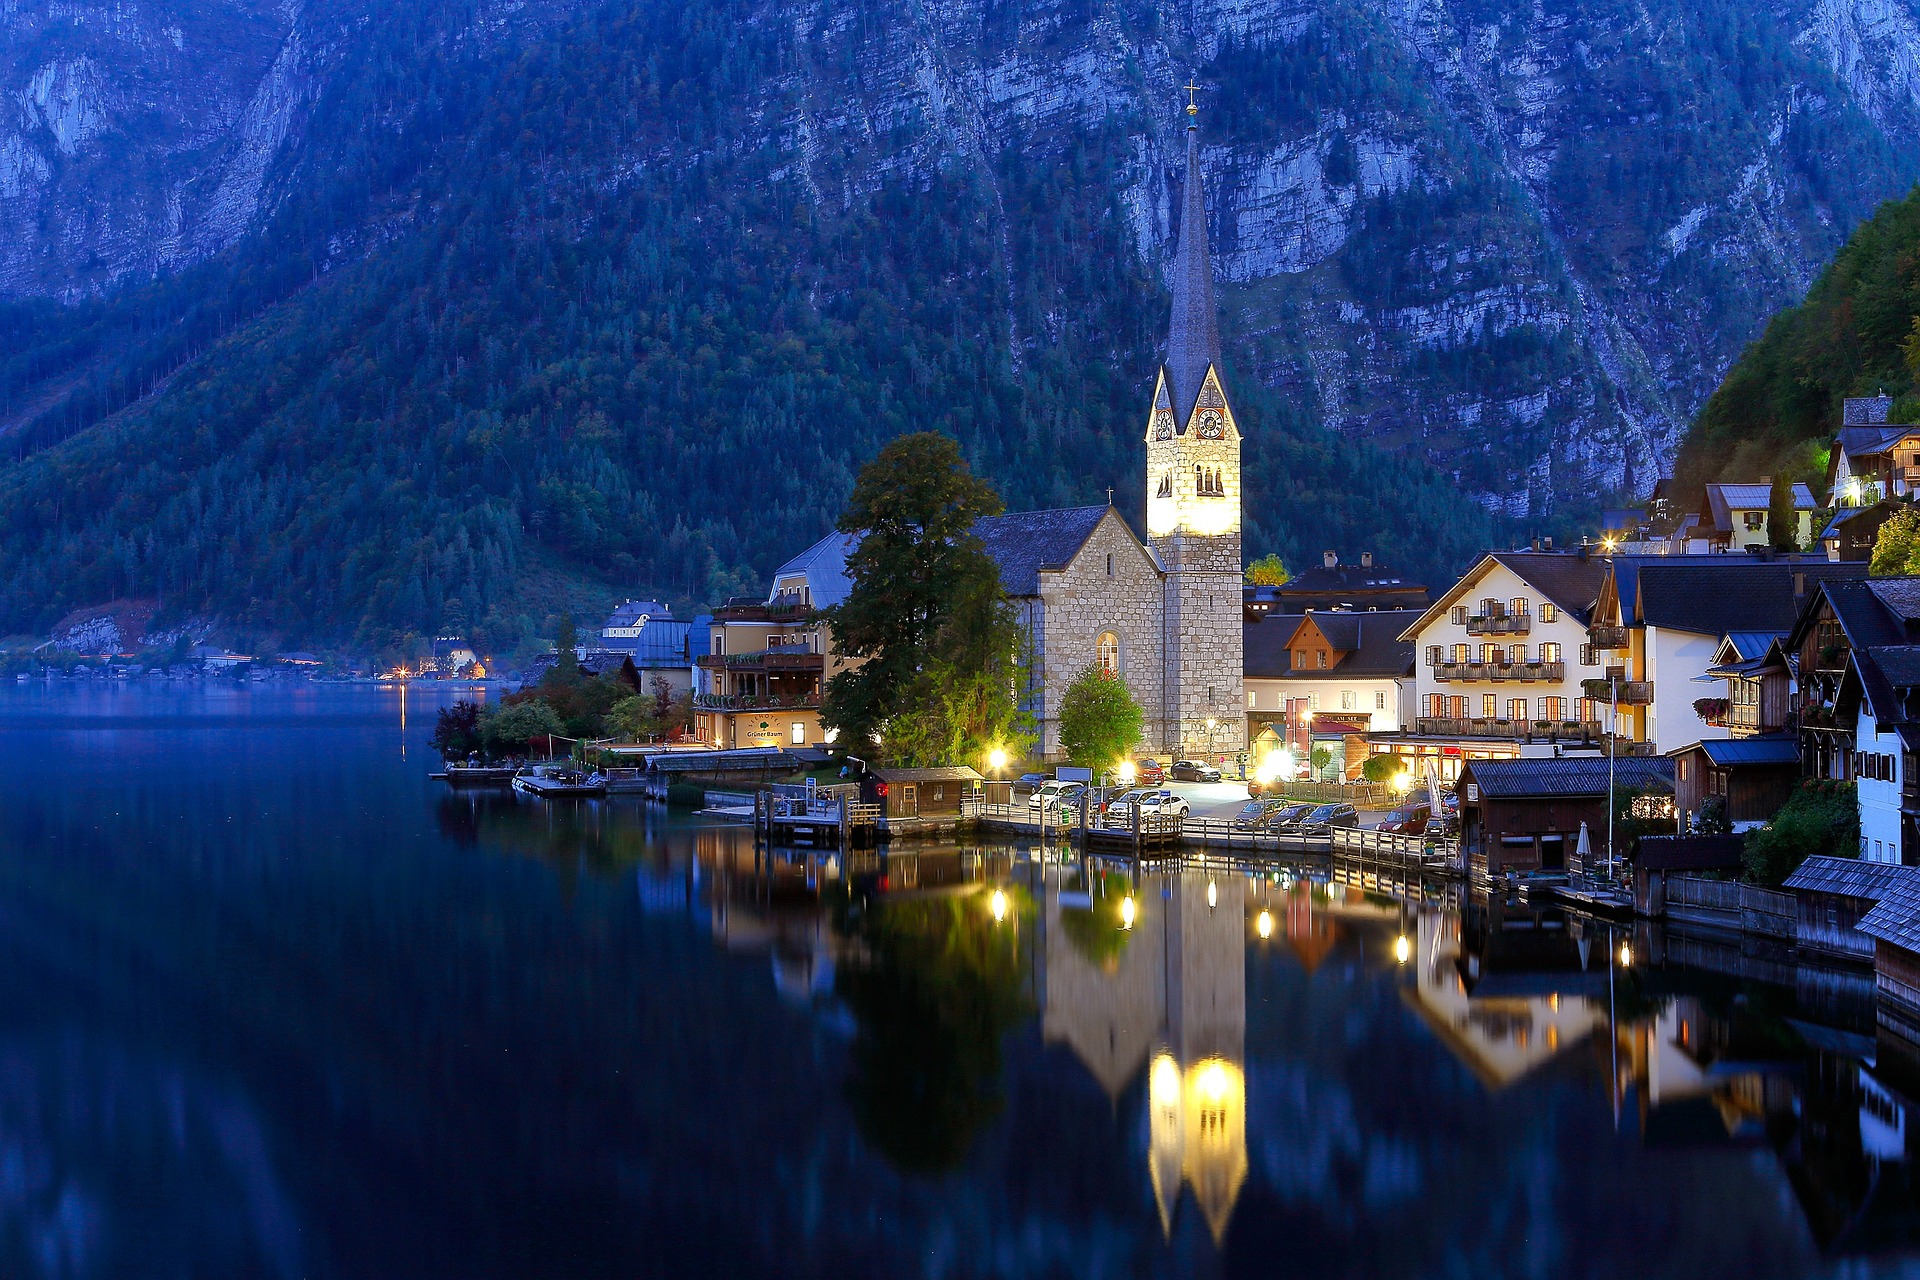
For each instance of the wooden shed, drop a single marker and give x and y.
(1894, 926)
(1834, 895)
(920, 793)
(1752, 776)
(1524, 816)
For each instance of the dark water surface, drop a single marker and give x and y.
(273, 1004)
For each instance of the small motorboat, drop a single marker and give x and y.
(551, 783)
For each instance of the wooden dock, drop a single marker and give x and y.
(787, 814)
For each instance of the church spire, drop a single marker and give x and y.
(1193, 337)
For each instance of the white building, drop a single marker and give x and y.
(1327, 679)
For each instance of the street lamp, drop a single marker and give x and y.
(996, 760)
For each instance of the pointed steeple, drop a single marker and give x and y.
(1193, 338)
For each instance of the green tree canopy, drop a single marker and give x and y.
(511, 728)
(1099, 720)
(924, 593)
(1822, 817)
(1896, 548)
(1268, 571)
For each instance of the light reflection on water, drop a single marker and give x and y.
(271, 1003)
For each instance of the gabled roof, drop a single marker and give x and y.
(1896, 919)
(1746, 645)
(1370, 643)
(1715, 595)
(1566, 775)
(1898, 596)
(1023, 543)
(937, 773)
(1347, 577)
(1866, 441)
(1858, 609)
(825, 566)
(1845, 877)
(1569, 579)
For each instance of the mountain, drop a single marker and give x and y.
(1856, 334)
(329, 314)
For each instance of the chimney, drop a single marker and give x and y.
(1799, 584)
(1536, 544)
(1366, 559)
(1549, 544)
(1330, 558)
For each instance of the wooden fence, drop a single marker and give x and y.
(1732, 905)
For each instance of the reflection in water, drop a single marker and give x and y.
(335, 1021)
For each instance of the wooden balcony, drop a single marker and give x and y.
(1607, 637)
(780, 658)
(1499, 672)
(1586, 731)
(1500, 624)
(756, 701)
(1632, 693)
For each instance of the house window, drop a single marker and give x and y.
(1589, 655)
(1516, 708)
(1457, 707)
(1550, 652)
(1489, 705)
(1548, 612)
(1460, 652)
(1346, 699)
(1380, 700)
(1680, 769)
(1300, 658)
(1459, 615)
(1518, 605)
(1552, 708)
(1755, 520)
(1517, 653)
(1433, 656)
(1589, 710)
(1323, 659)
(799, 734)
(1436, 705)
(1106, 653)
(1489, 653)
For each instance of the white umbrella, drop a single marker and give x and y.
(1583, 849)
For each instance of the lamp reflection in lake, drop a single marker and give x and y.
(1172, 1001)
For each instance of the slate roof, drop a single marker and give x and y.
(1193, 336)
(1865, 441)
(1023, 543)
(1737, 752)
(1566, 776)
(1896, 919)
(1570, 580)
(825, 566)
(1860, 611)
(1844, 516)
(1347, 577)
(1749, 645)
(1715, 595)
(1899, 596)
(1845, 877)
(1861, 410)
(1371, 641)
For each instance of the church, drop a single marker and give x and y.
(1163, 613)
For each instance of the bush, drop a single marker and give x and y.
(1821, 818)
(511, 728)
(1382, 768)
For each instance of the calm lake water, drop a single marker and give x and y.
(273, 1004)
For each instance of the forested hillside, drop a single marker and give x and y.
(507, 307)
(1857, 334)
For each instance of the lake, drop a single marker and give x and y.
(274, 1004)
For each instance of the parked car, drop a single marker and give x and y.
(1150, 801)
(1408, 821)
(1148, 773)
(1194, 771)
(1256, 815)
(1324, 818)
(1282, 820)
(1055, 792)
(1033, 779)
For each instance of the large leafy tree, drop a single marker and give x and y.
(1099, 720)
(925, 599)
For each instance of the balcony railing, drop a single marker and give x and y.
(784, 658)
(1500, 671)
(1633, 693)
(1607, 637)
(755, 701)
(1500, 624)
(1509, 730)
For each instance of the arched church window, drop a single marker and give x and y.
(1166, 485)
(1106, 653)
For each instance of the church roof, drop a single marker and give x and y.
(1193, 337)
(1023, 543)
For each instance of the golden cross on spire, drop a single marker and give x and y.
(1191, 89)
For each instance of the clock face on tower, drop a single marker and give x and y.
(1163, 424)
(1211, 426)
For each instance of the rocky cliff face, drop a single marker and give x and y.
(1524, 239)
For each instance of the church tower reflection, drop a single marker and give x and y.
(1173, 991)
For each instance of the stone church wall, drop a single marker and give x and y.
(1080, 602)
